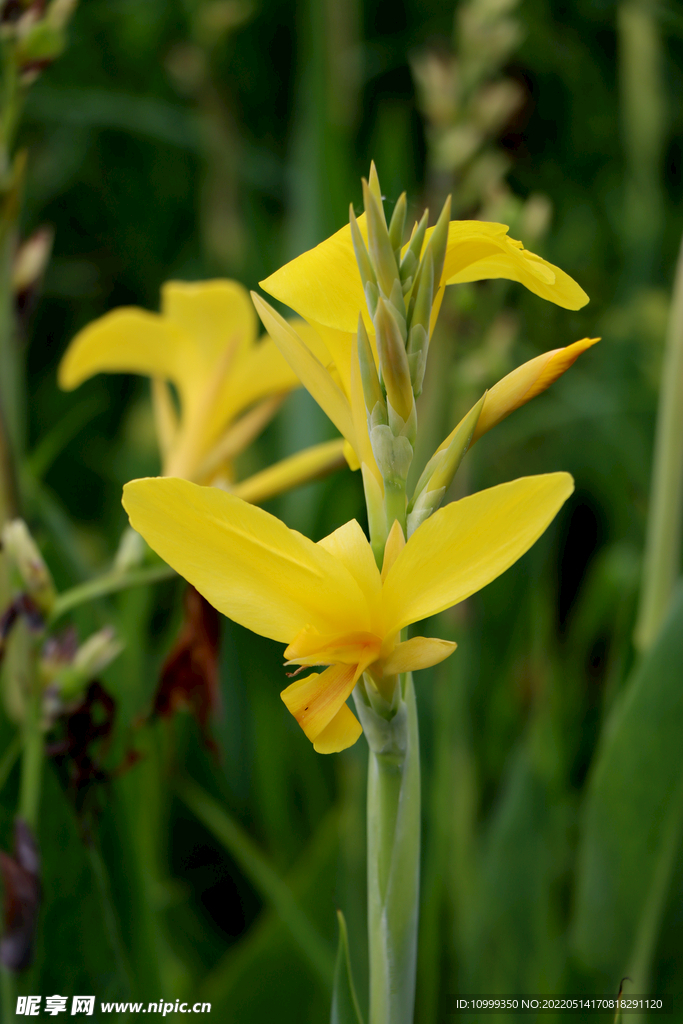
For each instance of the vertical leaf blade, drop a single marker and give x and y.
(345, 1009)
(633, 816)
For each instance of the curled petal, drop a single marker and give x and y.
(342, 732)
(418, 652)
(315, 700)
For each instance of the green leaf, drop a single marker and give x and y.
(633, 817)
(345, 1009)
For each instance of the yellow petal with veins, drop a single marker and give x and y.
(315, 700)
(340, 733)
(350, 546)
(418, 652)
(247, 563)
(469, 543)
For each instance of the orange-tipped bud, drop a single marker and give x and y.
(527, 381)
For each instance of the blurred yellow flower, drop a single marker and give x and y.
(229, 384)
(328, 601)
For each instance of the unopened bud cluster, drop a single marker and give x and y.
(400, 286)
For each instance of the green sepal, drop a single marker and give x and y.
(393, 360)
(361, 252)
(439, 472)
(379, 246)
(372, 390)
(411, 256)
(397, 224)
(345, 1009)
(439, 240)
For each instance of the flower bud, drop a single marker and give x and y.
(393, 454)
(372, 389)
(24, 555)
(367, 274)
(527, 381)
(379, 245)
(411, 257)
(393, 362)
(398, 224)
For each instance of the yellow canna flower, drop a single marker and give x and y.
(324, 286)
(328, 601)
(229, 384)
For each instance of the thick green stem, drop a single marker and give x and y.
(663, 539)
(393, 825)
(395, 504)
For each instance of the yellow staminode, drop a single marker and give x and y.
(204, 342)
(328, 601)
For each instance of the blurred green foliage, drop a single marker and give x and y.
(166, 144)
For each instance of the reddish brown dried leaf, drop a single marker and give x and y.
(189, 676)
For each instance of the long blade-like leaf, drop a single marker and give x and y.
(345, 1009)
(633, 817)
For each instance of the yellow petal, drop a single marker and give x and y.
(211, 313)
(416, 653)
(484, 257)
(312, 374)
(315, 700)
(342, 732)
(293, 471)
(236, 438)
(309, 647)
(323, 285)
(467, 544)
(247, 563)
(351, 547)
(127, 340)
(524, 383)
(392, 549)
(261, 371)
(340, 345)
(165, 416)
